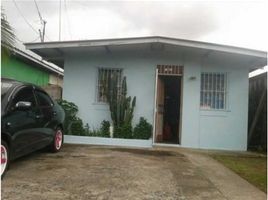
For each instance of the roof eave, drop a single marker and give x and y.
(141, 40)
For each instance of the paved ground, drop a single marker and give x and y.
(90, 172)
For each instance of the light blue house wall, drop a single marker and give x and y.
(215, 129)
(200, 129)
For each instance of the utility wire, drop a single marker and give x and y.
(41, 19)
(43, 23)
(25, 18)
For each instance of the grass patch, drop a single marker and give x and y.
(251, 168)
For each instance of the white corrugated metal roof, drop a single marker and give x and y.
(22, 51)
(55, 51)
(140, 40)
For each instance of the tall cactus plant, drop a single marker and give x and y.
(121, 105)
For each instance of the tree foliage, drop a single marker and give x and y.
(7, 35)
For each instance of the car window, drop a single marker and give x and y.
(43, 99)
(25, 94)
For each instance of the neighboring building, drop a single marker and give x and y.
(198, 90)
(26, 67)
(257, 125)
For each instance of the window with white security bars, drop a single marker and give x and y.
(105, 75)
(213, 91)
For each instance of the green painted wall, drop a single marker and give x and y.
(18, 69)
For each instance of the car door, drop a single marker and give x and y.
(22, 124)
(48, 114)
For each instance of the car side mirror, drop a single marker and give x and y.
(23, 105)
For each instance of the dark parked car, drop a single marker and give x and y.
(30, 119)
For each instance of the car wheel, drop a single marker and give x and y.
(4, 158)
(57, 141)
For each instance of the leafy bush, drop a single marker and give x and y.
(124, 131)
(72, 123)
(102, 132)
(143, 129)
(105, 127)
(76, 127)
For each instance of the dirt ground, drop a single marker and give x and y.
(91, 172)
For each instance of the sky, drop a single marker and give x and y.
(236, 23)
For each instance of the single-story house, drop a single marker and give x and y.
(196, 91)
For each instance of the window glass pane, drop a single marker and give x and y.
(222, 82)
(214, 99)
(104, 82)
(43, 99)
(213, 89)
(25, 94)
(214, 82)
(210, 82)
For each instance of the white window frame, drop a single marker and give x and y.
(211, 87)
(98, 85)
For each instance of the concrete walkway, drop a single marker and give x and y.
(230, 185)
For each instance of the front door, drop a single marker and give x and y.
(159, 109)
(168, 104)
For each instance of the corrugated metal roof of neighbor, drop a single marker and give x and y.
(27, 54)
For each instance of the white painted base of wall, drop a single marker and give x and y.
(166, 145)
(71, 139)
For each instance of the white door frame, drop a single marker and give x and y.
(155, 106)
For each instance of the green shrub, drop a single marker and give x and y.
(102, 132)
(124, 131)
(76, 127)
(73, 125)
(105, 128)
(143, 130)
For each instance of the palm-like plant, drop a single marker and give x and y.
(7, 35)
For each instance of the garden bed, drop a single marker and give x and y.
(72, 139)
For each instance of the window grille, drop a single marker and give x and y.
(169, 69)
(213, 91)
(105, 76)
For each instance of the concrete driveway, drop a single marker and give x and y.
(90, 172)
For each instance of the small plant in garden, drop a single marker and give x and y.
(143, 129)
(87, 129)
(105, 126)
